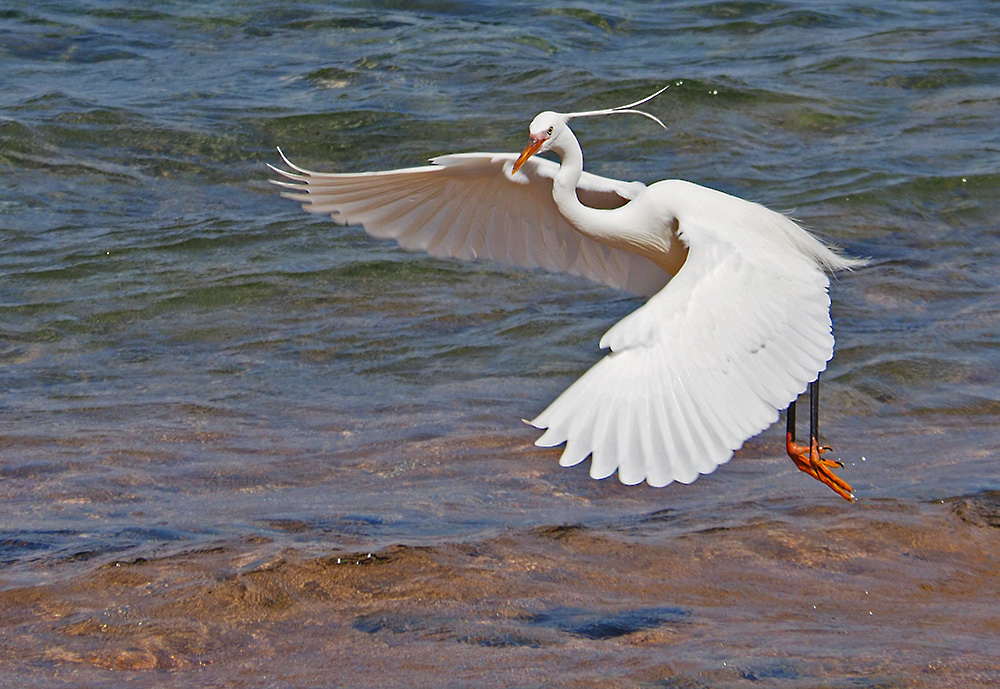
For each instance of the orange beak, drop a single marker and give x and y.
(529, 150)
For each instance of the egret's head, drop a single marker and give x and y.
(543, 132)
(547, 126)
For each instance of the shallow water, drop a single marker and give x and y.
(207, 396)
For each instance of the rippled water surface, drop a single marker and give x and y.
(242, 446)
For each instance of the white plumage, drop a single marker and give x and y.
(469, 206)
(706, 363)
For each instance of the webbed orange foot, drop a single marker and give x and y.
(809, 458)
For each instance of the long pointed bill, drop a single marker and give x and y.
(529, 150)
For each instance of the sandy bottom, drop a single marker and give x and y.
(878, 594)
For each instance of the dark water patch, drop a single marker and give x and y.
(387, 271)
(331, 77)
(19, 547)
(62, 43)
(396, 624)
(562, 532)
(19, 142)
(348, 524)
(502, 640)
(981, 509)
(933, 79)
(589, 17)
(664, 517)
(678, 682)
(735, 9)
(978, 411)
(774, 671)
(365, 21)
(288, 525)
(591, 624)
(57, 548)
(321, 129)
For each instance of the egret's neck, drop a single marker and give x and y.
(646, 235)
(587, 220)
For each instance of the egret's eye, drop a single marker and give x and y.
(550, 131)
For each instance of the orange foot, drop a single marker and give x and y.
(809, 460)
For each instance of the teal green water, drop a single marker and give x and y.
(187, 357)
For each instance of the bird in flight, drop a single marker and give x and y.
(736, 326)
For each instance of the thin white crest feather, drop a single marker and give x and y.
(624, 109)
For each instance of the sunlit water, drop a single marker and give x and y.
(189, 360)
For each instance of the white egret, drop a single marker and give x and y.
(736, 327)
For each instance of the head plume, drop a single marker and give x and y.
(547, 127)
(629, 108)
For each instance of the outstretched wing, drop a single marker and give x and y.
(706, 363)
(469, 206)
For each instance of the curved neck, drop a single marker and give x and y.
(619, 228)
(585, 219)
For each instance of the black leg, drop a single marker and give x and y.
(808, 458)
(814, 411)
(790, 421)
(813, 414)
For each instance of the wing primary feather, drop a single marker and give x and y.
(465, 240)
(662, 472)
(447, 220)
(605, 400)
(699, 414)
(628, 447)
(677, 416)
(648, 452)
(424, 226)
